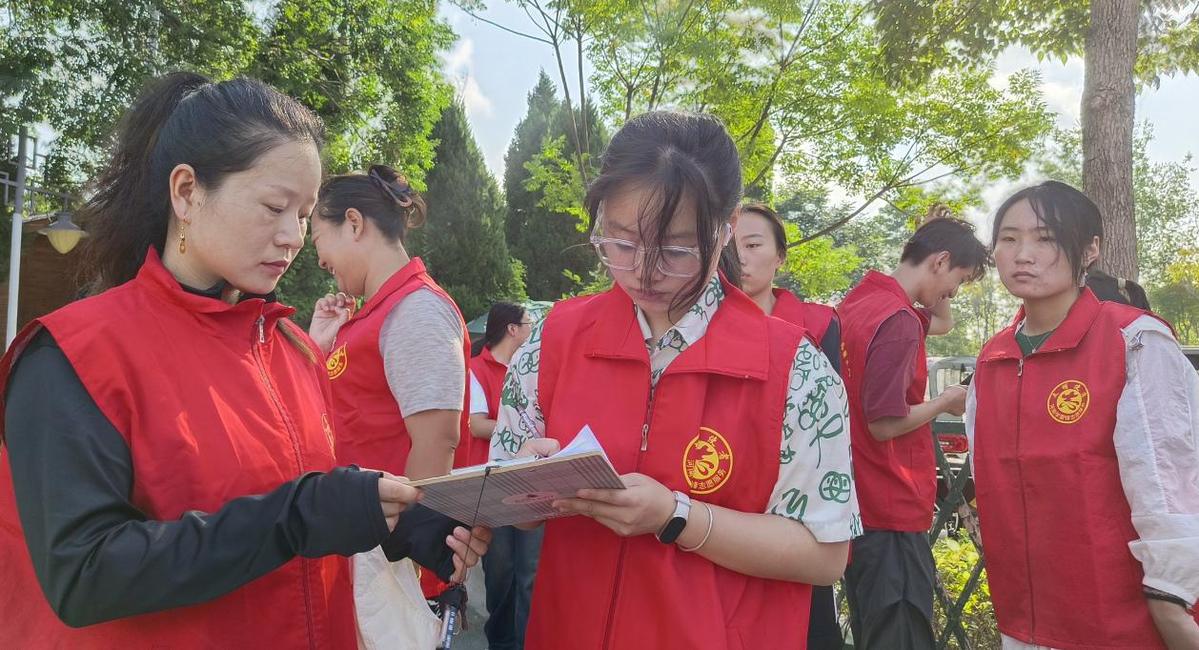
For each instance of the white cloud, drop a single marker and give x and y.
(1061, 82)
(476, 102)
(458, 65)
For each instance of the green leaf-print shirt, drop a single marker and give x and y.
(815, 485)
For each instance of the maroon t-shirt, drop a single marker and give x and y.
(891, 366)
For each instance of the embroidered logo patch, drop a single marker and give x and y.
(707, 462)
(1068, 401)
(336, 364)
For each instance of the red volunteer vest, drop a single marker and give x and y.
(370, 429)
(813, 317)
(210, 412)
(490, 373)
(897, 479)
(1055, 521)
(710, 431)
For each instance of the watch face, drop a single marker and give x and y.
(672, 530)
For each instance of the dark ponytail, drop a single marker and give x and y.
(382, 195)
(501, 315)
(180, 118)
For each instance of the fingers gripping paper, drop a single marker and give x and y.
(502, 493)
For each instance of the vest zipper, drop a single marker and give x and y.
(256, 349)
(1032, 611)
(649, 414)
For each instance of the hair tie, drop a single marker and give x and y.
(401, 194)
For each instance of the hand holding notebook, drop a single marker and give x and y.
(506, 492)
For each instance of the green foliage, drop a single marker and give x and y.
(919, 36)
(368, 67)
(817, 270)
(955, 562)
(1176, 298)
(463, 242)
(77, 65)
(557, 178)
(546, 223)
(980, 309)
(303, 284)
(1166, 204)
(802, 90)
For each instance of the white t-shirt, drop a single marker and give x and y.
(478, 397)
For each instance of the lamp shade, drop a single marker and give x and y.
(63, 234)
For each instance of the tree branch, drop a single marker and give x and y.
(841, 222)
(476, 16)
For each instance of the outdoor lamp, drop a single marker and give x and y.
(63, 233)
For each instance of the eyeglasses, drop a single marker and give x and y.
(624, 255)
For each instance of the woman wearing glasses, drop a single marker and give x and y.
(398, 367)
(729, 427)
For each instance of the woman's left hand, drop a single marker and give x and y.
(644, 506)
(468, 547)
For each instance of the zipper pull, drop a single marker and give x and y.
(1020, 367)
(261, 334)
(645, 437)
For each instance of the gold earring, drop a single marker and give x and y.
(182, 242)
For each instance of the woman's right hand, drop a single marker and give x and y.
(539, 447)
(394, 496)
(328, 315)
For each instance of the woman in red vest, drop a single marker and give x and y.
(728, 425)
(762, 249)
(508, 326)
(511, 561)
(175, 486)
(1084, 426)
(398, 365)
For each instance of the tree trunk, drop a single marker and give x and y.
(1108, 99)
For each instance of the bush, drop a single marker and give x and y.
(955, 563)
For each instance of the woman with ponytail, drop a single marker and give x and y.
(168, 476)
(511, 562)
(398, 364)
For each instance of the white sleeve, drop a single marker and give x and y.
(1157, 446)
(969, 417)
(478, 398)
(519, 417)
(815, 483)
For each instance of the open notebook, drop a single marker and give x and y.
(505, 492)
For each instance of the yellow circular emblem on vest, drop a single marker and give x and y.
(336, 363)
(1068, 401)
(707, 462)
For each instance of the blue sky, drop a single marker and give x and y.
(494, 71)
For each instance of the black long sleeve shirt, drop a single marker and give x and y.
(98, 557)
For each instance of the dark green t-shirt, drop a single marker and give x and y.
(1028, 344)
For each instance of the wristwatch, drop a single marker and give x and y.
(678, 521)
